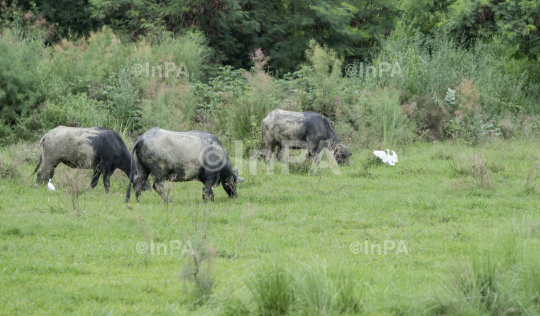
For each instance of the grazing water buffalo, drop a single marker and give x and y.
(286, 128)
(183, 156)
(95, 148)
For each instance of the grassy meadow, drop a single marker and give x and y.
(466, 215)
(452, 229)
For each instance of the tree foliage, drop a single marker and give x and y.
(71, 18)
(281, 28)
(512, 22)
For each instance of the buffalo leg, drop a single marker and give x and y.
(51, 174)
(269, 149)
(160, 188)
(46, 170)
(142, 177)
(207, 190)
(311, 153)
(313, 150)
(107, 181)
(95, 178)
(280, 152)
(317, 152)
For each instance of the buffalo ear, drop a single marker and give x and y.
(239, 179)
(236, 170)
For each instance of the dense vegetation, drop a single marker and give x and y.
(457, 69)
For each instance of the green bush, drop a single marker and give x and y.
(73, 110)
(228, 85)
(170, 108)
(89, 82)
(382, 121)
(19, 60)
(324, 68)
(432, 65)
(246, 116)
(122, 98)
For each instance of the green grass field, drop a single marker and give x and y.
(446, 202)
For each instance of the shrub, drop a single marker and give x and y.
(75, 183)
(73, 110)
(468, 99)
(215, 98)
(473, 130)
(200, 258)
(197, 269)
(246, 102)
(430, 116)
(383, 120)
(432, 64)
(122, 99)
(167, 106)
(18, 63)
(89, 81)
(324, 68)
(506, 128)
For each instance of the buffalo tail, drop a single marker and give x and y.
(258, 151)
(132, 170)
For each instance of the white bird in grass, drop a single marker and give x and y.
(386, 157)
(50, 186)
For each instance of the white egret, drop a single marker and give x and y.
(50, 186)
(394, 156)
(386, 157)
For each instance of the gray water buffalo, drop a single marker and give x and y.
(180, 157)
(96, 148)
(300, 129)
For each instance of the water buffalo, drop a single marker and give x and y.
(96, 148)
(183, 156)
(300, 129)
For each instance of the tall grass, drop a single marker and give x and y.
(90, 82)
(500, 279)
(387, 120)
(279, 287)
(271, 289)
(431, 65)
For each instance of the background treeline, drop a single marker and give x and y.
(465, 69)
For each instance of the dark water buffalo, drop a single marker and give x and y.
(300, 129)
(183, 156)
(96, 148)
